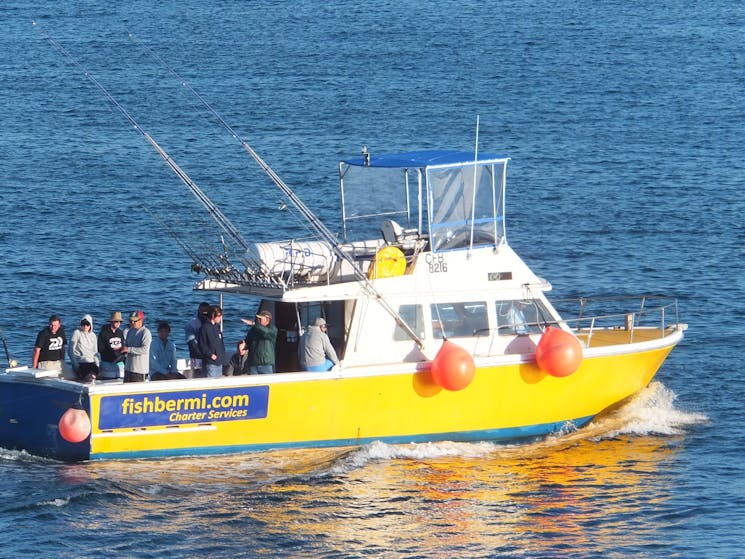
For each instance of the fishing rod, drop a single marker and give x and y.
(211, 208)
(306, 212)
(317, 224)
(11, 362)
(201, 263)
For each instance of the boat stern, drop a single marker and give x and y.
(32, 402)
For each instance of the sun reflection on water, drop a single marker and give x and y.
(575, 494)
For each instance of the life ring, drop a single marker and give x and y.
(388, 262)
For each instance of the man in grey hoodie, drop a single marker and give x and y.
(83, 351)
(137, 341)
(316, 352)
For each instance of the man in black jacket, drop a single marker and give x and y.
(211, 344)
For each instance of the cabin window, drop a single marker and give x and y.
(459, 320)
(521, 317)
(413, 316)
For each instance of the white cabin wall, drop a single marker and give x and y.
(371, 338)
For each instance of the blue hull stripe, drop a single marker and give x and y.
(490, 435)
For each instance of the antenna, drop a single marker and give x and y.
(473, 194)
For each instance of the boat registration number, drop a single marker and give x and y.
(436, 263)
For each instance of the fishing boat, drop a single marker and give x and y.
(442, 331)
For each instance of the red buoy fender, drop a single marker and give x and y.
(559, 352)
(74, 425)
(453, 367)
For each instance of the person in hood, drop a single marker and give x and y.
(83, 351)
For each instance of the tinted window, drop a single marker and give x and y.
(414, 318)
(459, 320)
(521, 317)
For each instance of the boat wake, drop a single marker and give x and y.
(7, 455)
(652, 412)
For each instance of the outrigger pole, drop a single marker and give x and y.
(201, 264)
(314, 221)
(211, 208)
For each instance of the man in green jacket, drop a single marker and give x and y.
(261, 341)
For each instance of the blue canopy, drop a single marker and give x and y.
(417, 159)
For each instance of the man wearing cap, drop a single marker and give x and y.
(316, 352)
(137, 341)
(110, 344)
(49, 349)
(261, 341)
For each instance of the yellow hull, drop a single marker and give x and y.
(504, 401)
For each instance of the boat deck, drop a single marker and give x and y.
(609, 337)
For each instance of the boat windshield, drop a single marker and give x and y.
(444, 195)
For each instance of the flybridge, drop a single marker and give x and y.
(453, 198)
(424, 201)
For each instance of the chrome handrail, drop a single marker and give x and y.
(624, 319)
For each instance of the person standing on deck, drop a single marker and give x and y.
(261, 341)
(137, 341)
(49, 349)
(316, 352)
(83, 351)
(191, 330)
(211, 344)
(110, 344)
(163, 363)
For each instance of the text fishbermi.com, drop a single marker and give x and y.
(130, 406)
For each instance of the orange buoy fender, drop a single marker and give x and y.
(74, 425)
(559, 352)
(453, 367)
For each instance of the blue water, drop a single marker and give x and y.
(625, 126)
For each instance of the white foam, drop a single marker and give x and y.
(651, 412)
(55, 502)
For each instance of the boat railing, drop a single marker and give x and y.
(597, 321)
(654, 314)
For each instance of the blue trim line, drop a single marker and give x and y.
(490, 435)
(417, 159)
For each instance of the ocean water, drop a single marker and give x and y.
(625, 125)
